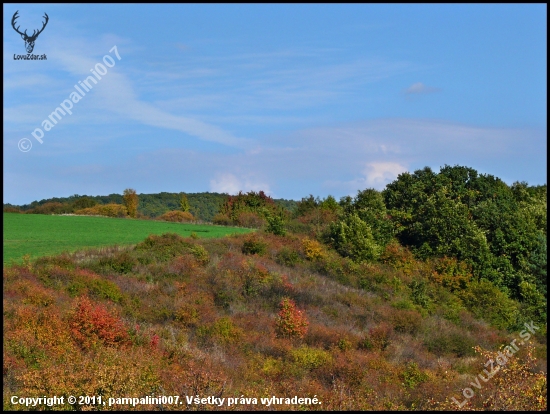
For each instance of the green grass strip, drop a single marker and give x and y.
(42, 235)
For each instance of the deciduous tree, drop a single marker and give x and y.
(131, 201)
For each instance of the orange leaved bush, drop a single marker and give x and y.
(177, 216)
(91, 324)
(291, 322)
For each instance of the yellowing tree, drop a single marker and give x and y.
(131, 201)
(184, 203)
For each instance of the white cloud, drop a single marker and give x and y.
(230, 184)
(419, 88)
(378, 174)
(375, 175)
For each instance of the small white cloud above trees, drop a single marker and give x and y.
(420, 88)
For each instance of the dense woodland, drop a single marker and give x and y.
(386, 300)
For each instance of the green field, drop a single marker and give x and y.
(41, 235)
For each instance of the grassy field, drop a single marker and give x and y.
(41, 235)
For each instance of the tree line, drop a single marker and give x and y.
(202, 206)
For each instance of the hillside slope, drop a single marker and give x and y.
(258, 316)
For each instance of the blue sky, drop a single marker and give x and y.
(290, 99)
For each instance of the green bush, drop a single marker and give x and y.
(254, 245)
(276, 225)
(310, 358)
(455, 343)
(288, 257)
(533, 307)
(121, 262)
(412, 376)
(164, 247)
(200, 253)
(352, 237)
(487, 302)
(225, 331)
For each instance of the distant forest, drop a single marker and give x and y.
(203, 206)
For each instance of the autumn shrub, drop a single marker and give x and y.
(35, 335)
(52, 208)
(250, 220)
(93, 323)
(321, 336)
(256, 280)
(187, 314)
(162, 248)
(313, 222)
(456, 343)
(310, 358)
(291, 322)
(254, 245)
(406, 321)
(54, 276)
(288, 257)
(186, 265)
(378, 338)
(194, 306)
(451, 273)
(222, 220)
(517, 385)
(396, 255)
(84, 283)
(224, 331)
(30, 292)
(109, 210)
(413, 376)
(62, 260)
(312, 249)
(7, 209)
(200, 254)
(105, 289)
(295, 226)
(341, 269)
(106, 371)
(177, 216)
(121, 262)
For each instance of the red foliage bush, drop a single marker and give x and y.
(90, 324)
(291, 322)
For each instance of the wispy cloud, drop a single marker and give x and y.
(115, 93)
(420, 88)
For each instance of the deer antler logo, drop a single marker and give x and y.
(29, 40)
